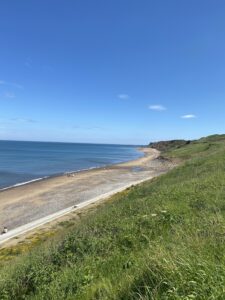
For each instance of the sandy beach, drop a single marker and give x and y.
(30, 202)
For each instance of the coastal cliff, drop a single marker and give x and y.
(162, 239)
(167, 145)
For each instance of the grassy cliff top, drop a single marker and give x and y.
(172, 145)
(163, 239)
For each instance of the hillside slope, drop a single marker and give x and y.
(164, 239)
(167, 145)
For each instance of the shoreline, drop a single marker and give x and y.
(24, 229)
(28, 205)
(68, 173)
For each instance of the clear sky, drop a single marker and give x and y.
(111, 71)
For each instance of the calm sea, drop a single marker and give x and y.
(22, 162)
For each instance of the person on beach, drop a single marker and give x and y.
(5, 230)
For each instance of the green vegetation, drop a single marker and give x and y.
(167, 145)
(164, 239)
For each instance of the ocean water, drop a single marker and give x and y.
(21, 162)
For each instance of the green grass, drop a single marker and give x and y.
(164, 239)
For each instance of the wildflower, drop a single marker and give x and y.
(153, 215)
(163, 211)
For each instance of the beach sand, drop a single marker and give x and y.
(27, 203)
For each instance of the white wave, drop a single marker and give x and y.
(23, 183)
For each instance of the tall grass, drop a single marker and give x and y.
(164, 239)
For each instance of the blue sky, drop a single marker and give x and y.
(115, 71)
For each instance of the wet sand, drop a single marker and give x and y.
(27, 203)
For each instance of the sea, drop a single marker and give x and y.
(24, 162)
